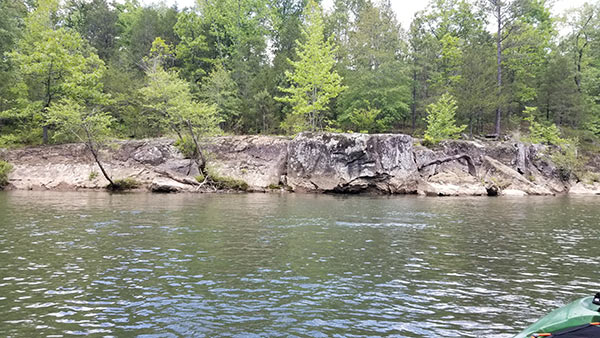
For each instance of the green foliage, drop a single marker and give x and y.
(186, 146)
(441, 124)
(542, 133)
(219, 90)
(375, 75)
(124, 184)
(134, 71)
(167, 98)
(200, 178)
(73, 119)
(568, 161)
(140, 26)
(5, 169)
(313, 83)
(96, 22)
(93, 175)
(193, 51)
(364, 121)
(228, 183)
(56, 66)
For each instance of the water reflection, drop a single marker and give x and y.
(289, 265)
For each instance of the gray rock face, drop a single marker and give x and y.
(260, 161)
(338, 163)
(352, 163)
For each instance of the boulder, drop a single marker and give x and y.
(259, 161)
(352, 163)
(501, 177)
(581, 188)
(452, 183)
(166, 185)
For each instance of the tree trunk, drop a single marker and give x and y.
(45, 134)
(90, 146)
(413, 106)
(199, 154)
(578, 74)
(499, 69)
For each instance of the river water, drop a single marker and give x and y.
(290, 265)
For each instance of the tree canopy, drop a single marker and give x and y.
(286, 66)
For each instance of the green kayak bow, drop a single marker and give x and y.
(578, 319)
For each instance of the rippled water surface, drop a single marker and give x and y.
(289, 265)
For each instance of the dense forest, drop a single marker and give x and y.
(78, 69)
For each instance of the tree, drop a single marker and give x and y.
(376, 77)
(12, 13)
(192, 51)
(518, 23)
(313, 82)
(582, 46)
(220, 90)
(441, 124)
(440, 40)
(140, 26)
(96, 21)
(53, 63)
(168, 97)
(90, 125)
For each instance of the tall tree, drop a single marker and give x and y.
(12, 13)
(96, 21)
(193, 54)
(313, 83)
(440, 41)
(376, 76)
(140, 26)
(168, 98)
(53, 63)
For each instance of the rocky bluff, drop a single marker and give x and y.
(319, 162)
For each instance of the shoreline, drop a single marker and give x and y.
(384, 164)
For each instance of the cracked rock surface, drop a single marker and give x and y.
(310, 162)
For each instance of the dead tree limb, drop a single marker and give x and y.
(182, 180)
(467, 158)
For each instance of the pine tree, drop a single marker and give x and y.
(314, 83)
(441, 124)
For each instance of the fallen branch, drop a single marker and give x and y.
(182, 180)
(470, 163)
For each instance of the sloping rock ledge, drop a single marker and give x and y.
(322, 163)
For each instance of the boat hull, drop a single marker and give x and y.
(577, 313)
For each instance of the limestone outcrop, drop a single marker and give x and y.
(351, 163)
(310, 162)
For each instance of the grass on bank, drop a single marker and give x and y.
(5, 169)
(124, 184)
(222, 182)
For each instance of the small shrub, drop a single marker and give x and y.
(542, 133)
(364, 121)
(441, 123)
(200, 178)
(568, 161)
(93, 175)
(186, 146)
(5, 169)
(274, 186)
(499, 183)
(124, 184)
(590, 177)
(228, 183)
